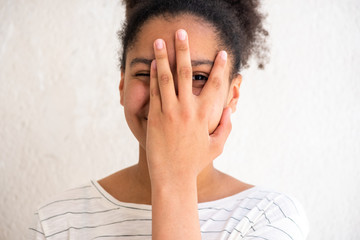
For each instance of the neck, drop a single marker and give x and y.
(205, 180)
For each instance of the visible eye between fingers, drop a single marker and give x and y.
(144, 74)
(199, 80)
(198, 77)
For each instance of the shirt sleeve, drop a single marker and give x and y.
(285, 219)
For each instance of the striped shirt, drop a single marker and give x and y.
(89, 212)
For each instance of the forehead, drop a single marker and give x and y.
(202, 38)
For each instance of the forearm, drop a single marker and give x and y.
(175, 211)
(178, 143)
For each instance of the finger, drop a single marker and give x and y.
(221, 133)
(164, 76)
(215, 82)
(183, 62)
(155, 101)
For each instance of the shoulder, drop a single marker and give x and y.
(88, 212)
(274, 215)
(55, 214)
(255, 213)
(77, 196)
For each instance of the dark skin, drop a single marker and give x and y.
(133, 184)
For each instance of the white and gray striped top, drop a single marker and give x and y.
(89, 212)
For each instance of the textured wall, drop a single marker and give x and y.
(297, 127)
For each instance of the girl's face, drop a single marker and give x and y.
(134, 84)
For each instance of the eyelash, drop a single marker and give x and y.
(203, 77)
(142, 75)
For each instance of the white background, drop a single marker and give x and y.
(297, 128)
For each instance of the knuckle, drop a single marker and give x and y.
(216, 82)
(164, 79)
(187, 115)
(185, 72)
(182, 47)
(202, 114)
(169, 115)
(161, 55)
(154, 92)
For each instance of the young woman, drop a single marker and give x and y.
(179, 85)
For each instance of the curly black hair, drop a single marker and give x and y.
(238, 25)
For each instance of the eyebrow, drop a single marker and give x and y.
(194, 63)
(140, 60)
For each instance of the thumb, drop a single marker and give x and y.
(221, 133)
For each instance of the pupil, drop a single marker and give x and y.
(199, 77)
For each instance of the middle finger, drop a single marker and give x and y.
(183, 62)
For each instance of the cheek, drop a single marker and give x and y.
(136, 95)
(196, 91)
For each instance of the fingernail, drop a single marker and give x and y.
(159, 44)
(223, 55)
(181, 34)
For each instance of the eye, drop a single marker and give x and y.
(145, 74)
(142, 76)
(199, 80)
(198, 77)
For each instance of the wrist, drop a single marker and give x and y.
(173, 184)
(174, 194)
(171, 175)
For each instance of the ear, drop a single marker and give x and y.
(234, 92)
(121, 87)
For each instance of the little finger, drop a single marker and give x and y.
(155, 100)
